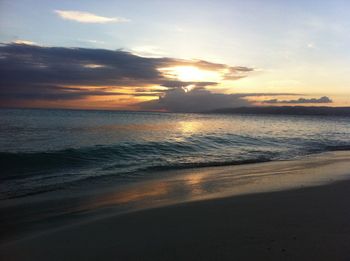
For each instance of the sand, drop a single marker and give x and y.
(311, 223)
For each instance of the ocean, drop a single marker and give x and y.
(52, 150)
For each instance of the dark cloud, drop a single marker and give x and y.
(32, 72)
(323, 99)
(260, 94)
(202, 100)
(23, 64)
(205, 65)
(197, 100)
(181, 84)
(237, 72)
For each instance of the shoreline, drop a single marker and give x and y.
(203, 189)
(27, 216)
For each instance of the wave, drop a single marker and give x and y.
(29, 186)
(208, 164)
(121, 155)
(337, 147)
(29, 173)
(15, 164)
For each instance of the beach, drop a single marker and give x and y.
(305, 217)
(174, 130)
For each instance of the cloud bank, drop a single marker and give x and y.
(201, 100)
(86, 17)
(30, 72)
(197, 100)
(323, 99)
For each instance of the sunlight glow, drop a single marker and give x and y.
(93, 66)
(189, 88)
(191, 74)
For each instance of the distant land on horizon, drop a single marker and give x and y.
(256, 110)
(288, 110)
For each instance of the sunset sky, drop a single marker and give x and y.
(174, 55)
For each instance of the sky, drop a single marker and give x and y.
(174, 55)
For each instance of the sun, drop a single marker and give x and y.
(190, 74)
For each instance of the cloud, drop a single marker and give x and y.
(202, 100)
(86, 17)
(227, 72)
(323, 99)
(95, 41)
(31, 72)
(260, 94)
(148, 51)
(24, 42)
(37, 65)
(197, 100)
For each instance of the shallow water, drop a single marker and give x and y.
(49, 150)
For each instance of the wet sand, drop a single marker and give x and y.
(310, 223)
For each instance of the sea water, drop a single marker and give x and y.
(50, 150)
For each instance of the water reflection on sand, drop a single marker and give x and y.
(197, 184)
